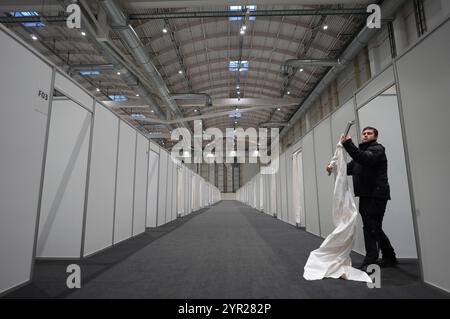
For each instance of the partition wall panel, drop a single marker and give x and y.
(289, 181)
(283, 188)
(169, 190)
(257, 191)
(22, 76)
(325, 183)
(64, 188)
(162, 187)
(73, 91)
(102, 180)
(423, 79)
(181, 191)
(424, 88)
(152, 188)
(140, 185)
(189, 182)
(273, 194)
(376, 85)
(309, 169)
(174, 190)
(278, 192)
(266, 193)
(123, 216)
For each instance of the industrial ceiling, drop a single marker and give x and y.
(229, 63)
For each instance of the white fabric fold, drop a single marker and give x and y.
(332, 258)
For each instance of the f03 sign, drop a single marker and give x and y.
(43, 95)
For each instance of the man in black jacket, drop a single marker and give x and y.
(370, 183)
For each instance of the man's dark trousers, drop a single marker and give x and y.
(372, 213)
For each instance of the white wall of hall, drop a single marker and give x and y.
(82, 174)
(418, 211)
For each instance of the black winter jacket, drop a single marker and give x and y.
(369, 169)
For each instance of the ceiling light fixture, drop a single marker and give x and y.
(97, 89)
(34, 37)
(325, 27)
(195, 110)
(288, 92)
(118, 73)
(242, 32)
(278, 109)
(83, 33)
(180, 72)
(137, 94)
(164, 30)
(244, 27)
(301, 70)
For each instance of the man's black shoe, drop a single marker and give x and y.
(364, 265)
(385, 263)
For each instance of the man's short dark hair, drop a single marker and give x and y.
(375, 131)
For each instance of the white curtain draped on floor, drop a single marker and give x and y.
(332, 258)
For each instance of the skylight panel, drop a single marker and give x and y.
(118, 98)
(19, 14)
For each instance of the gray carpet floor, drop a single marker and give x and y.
(226, 251)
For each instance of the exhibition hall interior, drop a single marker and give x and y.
(192, 149)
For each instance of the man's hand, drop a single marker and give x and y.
(345, 138)
(329, 169)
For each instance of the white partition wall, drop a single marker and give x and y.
(123, 214)
(261, 192)
(169, 192)
(325, 183)
(73, 91)
(266, 193)
(273, 194)
(220, 176)
(174, 191)
(309, 169)
(257, 191)
(22, 76)
(283, 188)
(189, 193)
(140, 185)
(212, 173)
(63, 195)
(162, 187)
(425, 95)
(99, 219)
(278, 193)
(181, 192)
(152, 188)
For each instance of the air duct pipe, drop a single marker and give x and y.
(129, 78)
(118, 21)
(295, 63)
(193, 96)
(90, 67)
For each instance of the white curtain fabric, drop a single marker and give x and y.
(180, 194)
(332, 258)
(297, 189)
